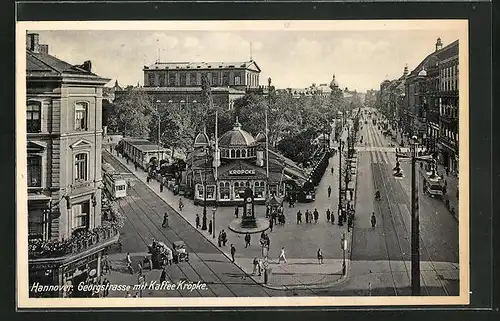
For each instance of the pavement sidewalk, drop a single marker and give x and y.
(309, 273)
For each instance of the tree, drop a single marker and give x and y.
(132, 113)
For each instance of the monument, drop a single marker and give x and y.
(248, 223)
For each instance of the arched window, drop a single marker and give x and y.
(236, 184)
(238, 153)
(232, 153)
(244, 153)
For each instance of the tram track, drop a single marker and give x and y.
(150, 225)
(390, 188)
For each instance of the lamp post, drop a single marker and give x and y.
(340, 179)
(343, 246)
(213, 221)
(204, 218)
(158, 112)
(415, 221)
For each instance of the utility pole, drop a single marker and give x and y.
(415, 220)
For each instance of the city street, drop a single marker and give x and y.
(381, 255)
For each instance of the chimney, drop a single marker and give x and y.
(405, 72)
(32, 40)
(44, 49)
(439, 44)
(87, 65)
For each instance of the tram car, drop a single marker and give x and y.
(433, 186)
(115, 184)
(142, 152)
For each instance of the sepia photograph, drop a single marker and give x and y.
(242, 163)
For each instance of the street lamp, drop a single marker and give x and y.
(204, 218)
(158, 112)
(340, 180)
(343, 246)
(214, 209)
(415, 222)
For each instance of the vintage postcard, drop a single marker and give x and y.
(242, 163)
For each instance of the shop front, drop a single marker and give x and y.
(64, 276)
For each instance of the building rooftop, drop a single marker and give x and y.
(236, 137)
(204, 65)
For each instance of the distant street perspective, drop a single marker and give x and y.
(227, 179)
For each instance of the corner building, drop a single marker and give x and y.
(64, 134)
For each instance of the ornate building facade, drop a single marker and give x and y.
(64, 133)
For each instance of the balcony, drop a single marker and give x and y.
(448, 143)
(55, 251)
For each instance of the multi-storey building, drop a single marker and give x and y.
(392, 99)
(432, 109)
(180, 83)
(64, 133)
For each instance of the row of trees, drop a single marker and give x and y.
(293, 122)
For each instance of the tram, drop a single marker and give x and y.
(433, 185)
(114, 183)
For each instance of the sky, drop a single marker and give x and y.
(360, 59)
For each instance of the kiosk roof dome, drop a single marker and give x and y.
(236, 137)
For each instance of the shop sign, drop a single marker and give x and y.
(240, 172)
(44, 266)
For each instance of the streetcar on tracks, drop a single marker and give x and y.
(433, 185)
(114, 183)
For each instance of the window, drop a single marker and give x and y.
(33, 117)
(36, 224)
(35, 171)
(192, 79)
(162, 80)
(81, 110)
(237, 80)
(183, 79)
(215, 79)
(238, 153)
(259, 189)
(232, 153)
(210, 192)
(224, 190)
(244, 153)
(239, 189)
(171, 79)
(151, 79)
(225, 79)
(81, 167)
(81, 213)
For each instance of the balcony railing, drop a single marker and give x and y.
(74, 245)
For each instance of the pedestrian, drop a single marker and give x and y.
(255, 266)
(328, 213)
(331, 169)
(271, 223)
(333, 218)
(350, 222)
(351, 193)
(307, 216)
(373, 220)
(197, 221)
(282, 255)
(161, 186)
(247, 240)
(163, 276)
(219, 239)
(139, 268)
(299, 217)
(316, 215)
(210, 227)
(135, 165)
(170, 256)
(267, 211)
(261, 267)
(236, 211)
(320, 256)
(233, 251)
(165, 220)
(224, 238)
(181, 205)
(329, 191)
(106, 287)
(447, 170)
